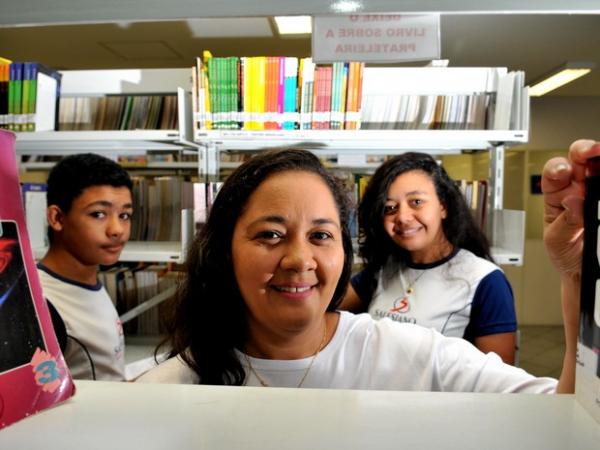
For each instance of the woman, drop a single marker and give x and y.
(426, 260)
(264, 278)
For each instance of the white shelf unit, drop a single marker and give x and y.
(94, 83)
(352, 146)
(113, 143)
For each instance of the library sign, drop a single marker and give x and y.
(376, 38)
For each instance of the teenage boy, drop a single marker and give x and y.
(89, 212)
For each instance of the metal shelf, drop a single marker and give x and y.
(125, 142)
(504, 257)
(368, 141)
(140, 251)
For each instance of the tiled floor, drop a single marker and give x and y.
(542, 349)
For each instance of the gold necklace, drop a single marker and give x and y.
(411, 286)
(402, 304)
(321, 345)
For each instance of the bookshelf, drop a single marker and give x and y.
(506, 124)
(113, 143)
(349, 148)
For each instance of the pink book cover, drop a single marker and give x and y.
(280, 92)
(33, 372)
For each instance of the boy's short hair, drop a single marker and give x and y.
(73, 174)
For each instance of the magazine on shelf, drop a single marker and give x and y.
(33, 372)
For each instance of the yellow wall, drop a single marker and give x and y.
(535, 284)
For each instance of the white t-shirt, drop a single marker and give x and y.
(462, 295)
(92, 324)
(383, 355)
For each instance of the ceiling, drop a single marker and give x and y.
(535, 43)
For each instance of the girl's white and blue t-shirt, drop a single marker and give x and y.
(461, 295)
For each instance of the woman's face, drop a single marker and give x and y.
(413, 217)
(287, 252)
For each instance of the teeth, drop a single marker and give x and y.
(293, 289)
(407, 232)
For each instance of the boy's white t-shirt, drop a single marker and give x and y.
(381, 354)
(92, 323)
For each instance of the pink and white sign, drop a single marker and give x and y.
(376, 38)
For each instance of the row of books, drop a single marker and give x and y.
(118, 112)
(422, 112)
(130, 287)
(158, 203)
(133, 161)
(476, 194)
(29, 94)
(275, 93)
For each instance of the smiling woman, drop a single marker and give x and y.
(287, 258)
(427, 261)
(264, 278)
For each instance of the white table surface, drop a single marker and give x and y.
(105, 415)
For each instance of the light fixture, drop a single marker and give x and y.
(293, 24)
(560, 76)
(346, 6)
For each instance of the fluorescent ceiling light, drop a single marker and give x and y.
(293, 24)
(559, 77)
(346, 6)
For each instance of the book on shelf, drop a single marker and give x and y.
(130, 287)
(158, 202)
(118, 112)
(276, 93)
(29, 93)
(34, 203)
(204, 195)
(33, 372)
(4, 80)
(475, 193)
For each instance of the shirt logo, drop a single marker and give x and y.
(401, 305)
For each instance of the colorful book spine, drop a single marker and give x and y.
(4, 80)
(275, 92)
(32, 97)
(290, 94)
(280, 91)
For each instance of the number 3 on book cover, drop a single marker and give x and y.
(33, 373)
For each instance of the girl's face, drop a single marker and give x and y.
(288, 254)
(413, 217)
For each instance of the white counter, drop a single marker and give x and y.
(105, 415)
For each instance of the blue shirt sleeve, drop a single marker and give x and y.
(493, 307)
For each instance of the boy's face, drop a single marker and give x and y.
(97, 226)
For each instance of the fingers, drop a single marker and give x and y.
(573, 207)
(564, 178)
(579, 152)
(557, 175)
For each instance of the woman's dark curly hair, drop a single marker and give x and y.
(209, 314)
(377, 248)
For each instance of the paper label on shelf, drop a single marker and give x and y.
(376, 37)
